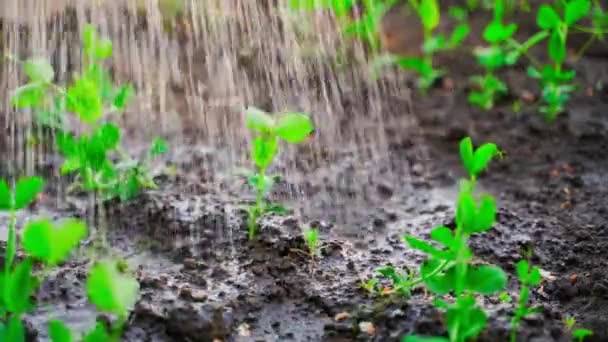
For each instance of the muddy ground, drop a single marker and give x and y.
(202, 280)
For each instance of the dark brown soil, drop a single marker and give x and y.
(202, 279)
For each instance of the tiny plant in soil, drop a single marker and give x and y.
(95, 157)
(311, 238)
(293, 128)
(401, 282)
(555, 81)
(429, 13)
(449, 269)
(528, 277)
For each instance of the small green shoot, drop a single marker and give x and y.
(569, 322)
(556, 83)
(401, 281)
(293, 128)
(528, 277)
(311, 237)
(370, 286)
(448, 268)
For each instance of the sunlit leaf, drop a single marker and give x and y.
(59, 332)
(26, 191)
(39, 69)
(110, 290)
(52, 244)
(294, 127)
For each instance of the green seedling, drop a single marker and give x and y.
(569, 322)
(502, 51)
(556, 83)
(311, 237)
(401, 281)
(370, 286)
(94, 101)
(429, 13)
(363, 26)
(42, 241)
(580, 334)
(528, 277)
(448, 268)
(112, 291)
(293, 128)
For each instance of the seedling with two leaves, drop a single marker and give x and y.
(528, 277)
(293, 128)
(578, 334)
(448, 268)
(556, 83)
(429, 13)
(42, 241)
(94, 100)
(502, 51)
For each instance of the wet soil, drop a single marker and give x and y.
(202, 280)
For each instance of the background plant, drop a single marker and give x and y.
(94, 101)
(290, 127)
(556, 83)
(429, 13)
(449, 268)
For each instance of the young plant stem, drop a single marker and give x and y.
(521, 304)
(259, 203)
(10, 249)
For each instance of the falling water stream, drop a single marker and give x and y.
(196, 65)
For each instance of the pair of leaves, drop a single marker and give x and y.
(291, 127)
(527, 275)
(548, 18)
(475, 161)
(439, 42)
(25, 192)
(95, 46)
(88, 151)
(51, 243)
(497, 32)
(111, 290)
(311, 237)
(479, 279)
(441, 234)
(474, 218)
(464, 319)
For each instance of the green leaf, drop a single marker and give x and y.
(52, 244)
(534, 73)
(415, 338)
(89, 37)
(440, 284)
(15, 331)
(294, 127)
(5, 195)
(466, 211)
(466, 155)
(443, 235)
(110, 290)
(84, 99)
(428, 248)
(159, 146)
(20, 288)
(107, 137)
(39, 69)
(26, 191)
(557, 46)
(534, 278)
(581, 333)
(59, 332)
(103, 49)
(429, 13)
(575, 10)
(98, 334)
(29, 95)
(122, 97)
(486, 279)
(485, 215)
(522, 268)
(547, 18)
(459, 34)
(482, 157)
(467, 322)
(264, 150)
(259, 120)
